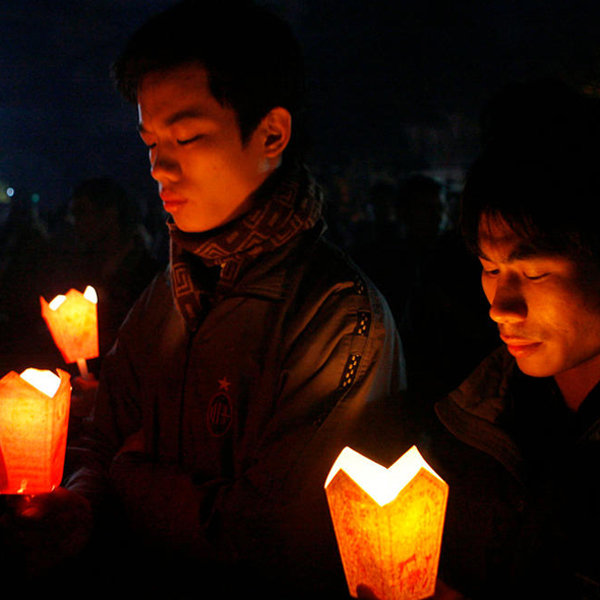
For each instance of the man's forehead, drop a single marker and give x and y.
(495, 230)
(496, 237)
(176, 93)
(184, 74)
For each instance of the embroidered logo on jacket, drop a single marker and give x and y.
(220, 410)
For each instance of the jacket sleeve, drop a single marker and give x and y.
(342, 363)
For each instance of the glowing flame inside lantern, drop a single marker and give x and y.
(73, 322)
(45, 381)
(34, 416)
(388, 524)
(56, 303)
(90, 294)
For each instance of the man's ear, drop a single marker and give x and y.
(277, 130)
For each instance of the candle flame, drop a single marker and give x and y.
(383, 485)
(90, 294)
(45, 381)
(54, 305)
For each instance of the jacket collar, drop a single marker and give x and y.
(497, 399)
(473, 411)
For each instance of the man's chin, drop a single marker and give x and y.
(535, 368)
(187, 227)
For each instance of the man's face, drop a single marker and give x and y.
(205, 174)
(547, 307)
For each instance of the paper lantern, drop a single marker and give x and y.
(73, 322)
(34, 418)
(388, 524)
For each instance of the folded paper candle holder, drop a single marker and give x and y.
(388, 524)
(34, 418)
(73, 322)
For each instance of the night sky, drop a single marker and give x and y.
(394, 84)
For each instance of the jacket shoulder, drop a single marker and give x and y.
(484, 392)
(330, 270)
(153, 306)
(473, 412)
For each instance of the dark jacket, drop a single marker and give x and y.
(524, 503)
(243, 418)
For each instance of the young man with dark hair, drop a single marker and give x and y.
(242, 370)
(517, 442)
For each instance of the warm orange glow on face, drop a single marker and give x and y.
(546, 305)
(210, 179)
(73, 322)
(388, 524)
(34, 416)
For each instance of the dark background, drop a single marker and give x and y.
(396, 86)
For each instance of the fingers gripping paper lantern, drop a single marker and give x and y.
(34, 417)
(388, 524)
(73, 322)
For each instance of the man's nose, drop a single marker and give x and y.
(163, 166)
(508, 304)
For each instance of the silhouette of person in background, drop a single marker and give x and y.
(377, 240)
(442, 314)
(430, 282)
(112, 252)
(109, 250)
(25, 263)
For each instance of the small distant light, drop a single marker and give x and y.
(10, 192)
(35, 198)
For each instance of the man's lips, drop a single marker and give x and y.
(171, 200)
(520, 347)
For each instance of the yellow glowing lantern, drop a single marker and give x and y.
(388, 524)
(73, 322)
(34, 418)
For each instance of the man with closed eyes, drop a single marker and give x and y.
(518, 441)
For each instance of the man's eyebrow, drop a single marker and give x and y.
(181, 115)
(523, 251)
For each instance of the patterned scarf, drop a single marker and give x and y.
(287, 204)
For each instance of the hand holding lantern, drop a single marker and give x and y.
(45, 523)
(43, 530)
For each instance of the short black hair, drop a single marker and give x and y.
(253, 60)
(540, 176)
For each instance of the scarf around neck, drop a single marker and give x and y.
(286, 204)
